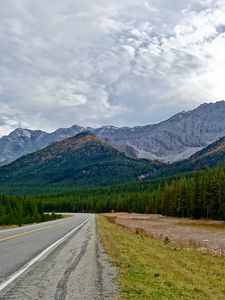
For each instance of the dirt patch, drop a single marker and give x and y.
(202, 235)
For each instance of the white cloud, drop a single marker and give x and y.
(95, 62)
(150, 7)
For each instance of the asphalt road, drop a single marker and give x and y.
(74, 268)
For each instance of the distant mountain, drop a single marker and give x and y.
(175, 139)
(83, 160)
(172, 140)
(20, 142)
(24, 141)
(211, 156)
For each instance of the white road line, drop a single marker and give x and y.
(5, 283)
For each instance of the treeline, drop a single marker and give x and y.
(20, 210)
(199, 196)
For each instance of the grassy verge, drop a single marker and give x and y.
(4, 227)
(149, 269)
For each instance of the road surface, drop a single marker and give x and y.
(56, 260)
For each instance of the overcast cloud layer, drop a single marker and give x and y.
(119, 62)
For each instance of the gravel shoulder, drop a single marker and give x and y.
(77, 269)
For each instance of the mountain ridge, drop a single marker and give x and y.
(171, 140)
(79, 161)
(210, 156)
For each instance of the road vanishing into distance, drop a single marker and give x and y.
(58, 260)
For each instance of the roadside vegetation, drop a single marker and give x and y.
(153, 269)
(19, 211)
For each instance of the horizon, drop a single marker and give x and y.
(111, 125)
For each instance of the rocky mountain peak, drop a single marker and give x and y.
(212, 105)
(171, 140)
(20, 132)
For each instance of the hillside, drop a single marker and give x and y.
(210, 156)
(80, 161)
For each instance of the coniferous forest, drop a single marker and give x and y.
(200, 195)
(22, 210)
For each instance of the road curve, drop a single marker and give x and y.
(74, 268)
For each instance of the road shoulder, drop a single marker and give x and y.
(76, 269)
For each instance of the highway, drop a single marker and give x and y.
(57, 260)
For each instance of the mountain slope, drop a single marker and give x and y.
(210, 156)
(20, 142)
(172, 140)
(176, 138)
(24, 141)
(83, 160)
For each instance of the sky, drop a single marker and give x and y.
(108, 62)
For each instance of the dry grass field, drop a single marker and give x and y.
(150, 265)
(202, 235)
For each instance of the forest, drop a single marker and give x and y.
(201, 195)
(21, 210)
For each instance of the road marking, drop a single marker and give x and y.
(4, 284)
(27, 232)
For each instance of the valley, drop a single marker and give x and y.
(154, 219)
(112, 150)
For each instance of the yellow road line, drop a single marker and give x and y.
(25, 233)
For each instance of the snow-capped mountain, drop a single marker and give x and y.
(174, 139)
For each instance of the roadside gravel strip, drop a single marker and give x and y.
(74, 269)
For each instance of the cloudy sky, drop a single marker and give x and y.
(118, 62)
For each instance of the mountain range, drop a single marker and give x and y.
(80, 161)
(173, 140)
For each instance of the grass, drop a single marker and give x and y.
(4, 227)
(153, 270)
(218, 226)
